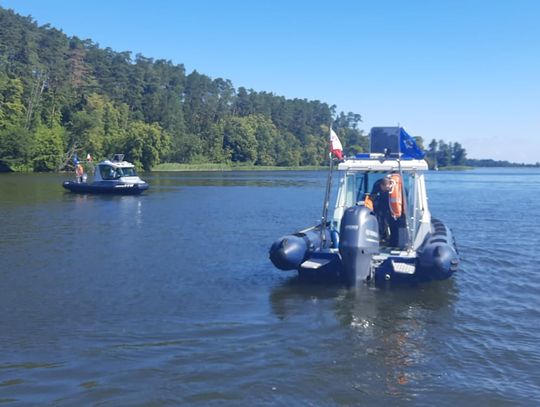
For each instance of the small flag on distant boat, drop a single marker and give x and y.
(89, 158)
(335, 145)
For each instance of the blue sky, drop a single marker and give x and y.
(466, 71)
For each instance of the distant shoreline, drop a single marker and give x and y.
(212, 167)
(456, 168)
(229, 167)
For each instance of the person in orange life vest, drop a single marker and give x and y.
(79, 172)
(385, 201)
(397, 211)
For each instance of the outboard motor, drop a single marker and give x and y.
(289, 252)
(359, 240)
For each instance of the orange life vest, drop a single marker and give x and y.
(368, 203)
(396, 196)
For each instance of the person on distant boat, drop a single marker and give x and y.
(79, 172)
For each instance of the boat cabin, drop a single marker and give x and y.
(360, 173)
(116, 169)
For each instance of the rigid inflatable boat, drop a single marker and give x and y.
(114, 176)
(357, 244)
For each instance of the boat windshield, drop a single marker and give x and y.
(357, 185)
(127, 172)
(108, 173)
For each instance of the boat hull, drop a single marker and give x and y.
(103, 187)
(437, 259)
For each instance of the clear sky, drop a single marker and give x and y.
(466, 71)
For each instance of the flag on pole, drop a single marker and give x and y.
(408, 146)
(335, 145)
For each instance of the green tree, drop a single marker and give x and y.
(444, 154)
(266, 135)
(314, 151)
(49, 148)
(144, 144)
(239, 140)
(459, 155)
(16, 145)
(288, 150)
(16, 142)
(189, 149)
(431, 155)
(12, 110)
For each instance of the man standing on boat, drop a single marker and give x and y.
(386, 202)
(379, 202)
(79, 172)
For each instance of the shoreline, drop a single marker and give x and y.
(171, 167)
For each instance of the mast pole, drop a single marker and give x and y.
(403, 194)
(327, 193)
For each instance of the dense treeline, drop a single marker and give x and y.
(60, 95)
(440, 154)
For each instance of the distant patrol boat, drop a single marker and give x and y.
(353, 244)
(114, 176)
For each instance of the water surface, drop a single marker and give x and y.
(169, 298)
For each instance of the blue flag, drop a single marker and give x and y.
(408, 146)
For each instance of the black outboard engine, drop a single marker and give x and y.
(359, 240)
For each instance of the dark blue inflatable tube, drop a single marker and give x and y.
(438, 257)
(289, 252)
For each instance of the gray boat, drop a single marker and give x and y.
(114, 176)
(355, 243)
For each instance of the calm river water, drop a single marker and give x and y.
(169, 298)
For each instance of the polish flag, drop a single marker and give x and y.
(335, 145)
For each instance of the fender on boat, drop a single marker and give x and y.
(289, 252)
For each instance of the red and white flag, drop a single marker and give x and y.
(335, 145)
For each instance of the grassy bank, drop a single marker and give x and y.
(228, 167)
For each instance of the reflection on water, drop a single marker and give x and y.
(390, 331)
(235, 178)
(285, 297)
(393, 327)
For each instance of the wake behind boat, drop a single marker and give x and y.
(381, 229)
(114, 176)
